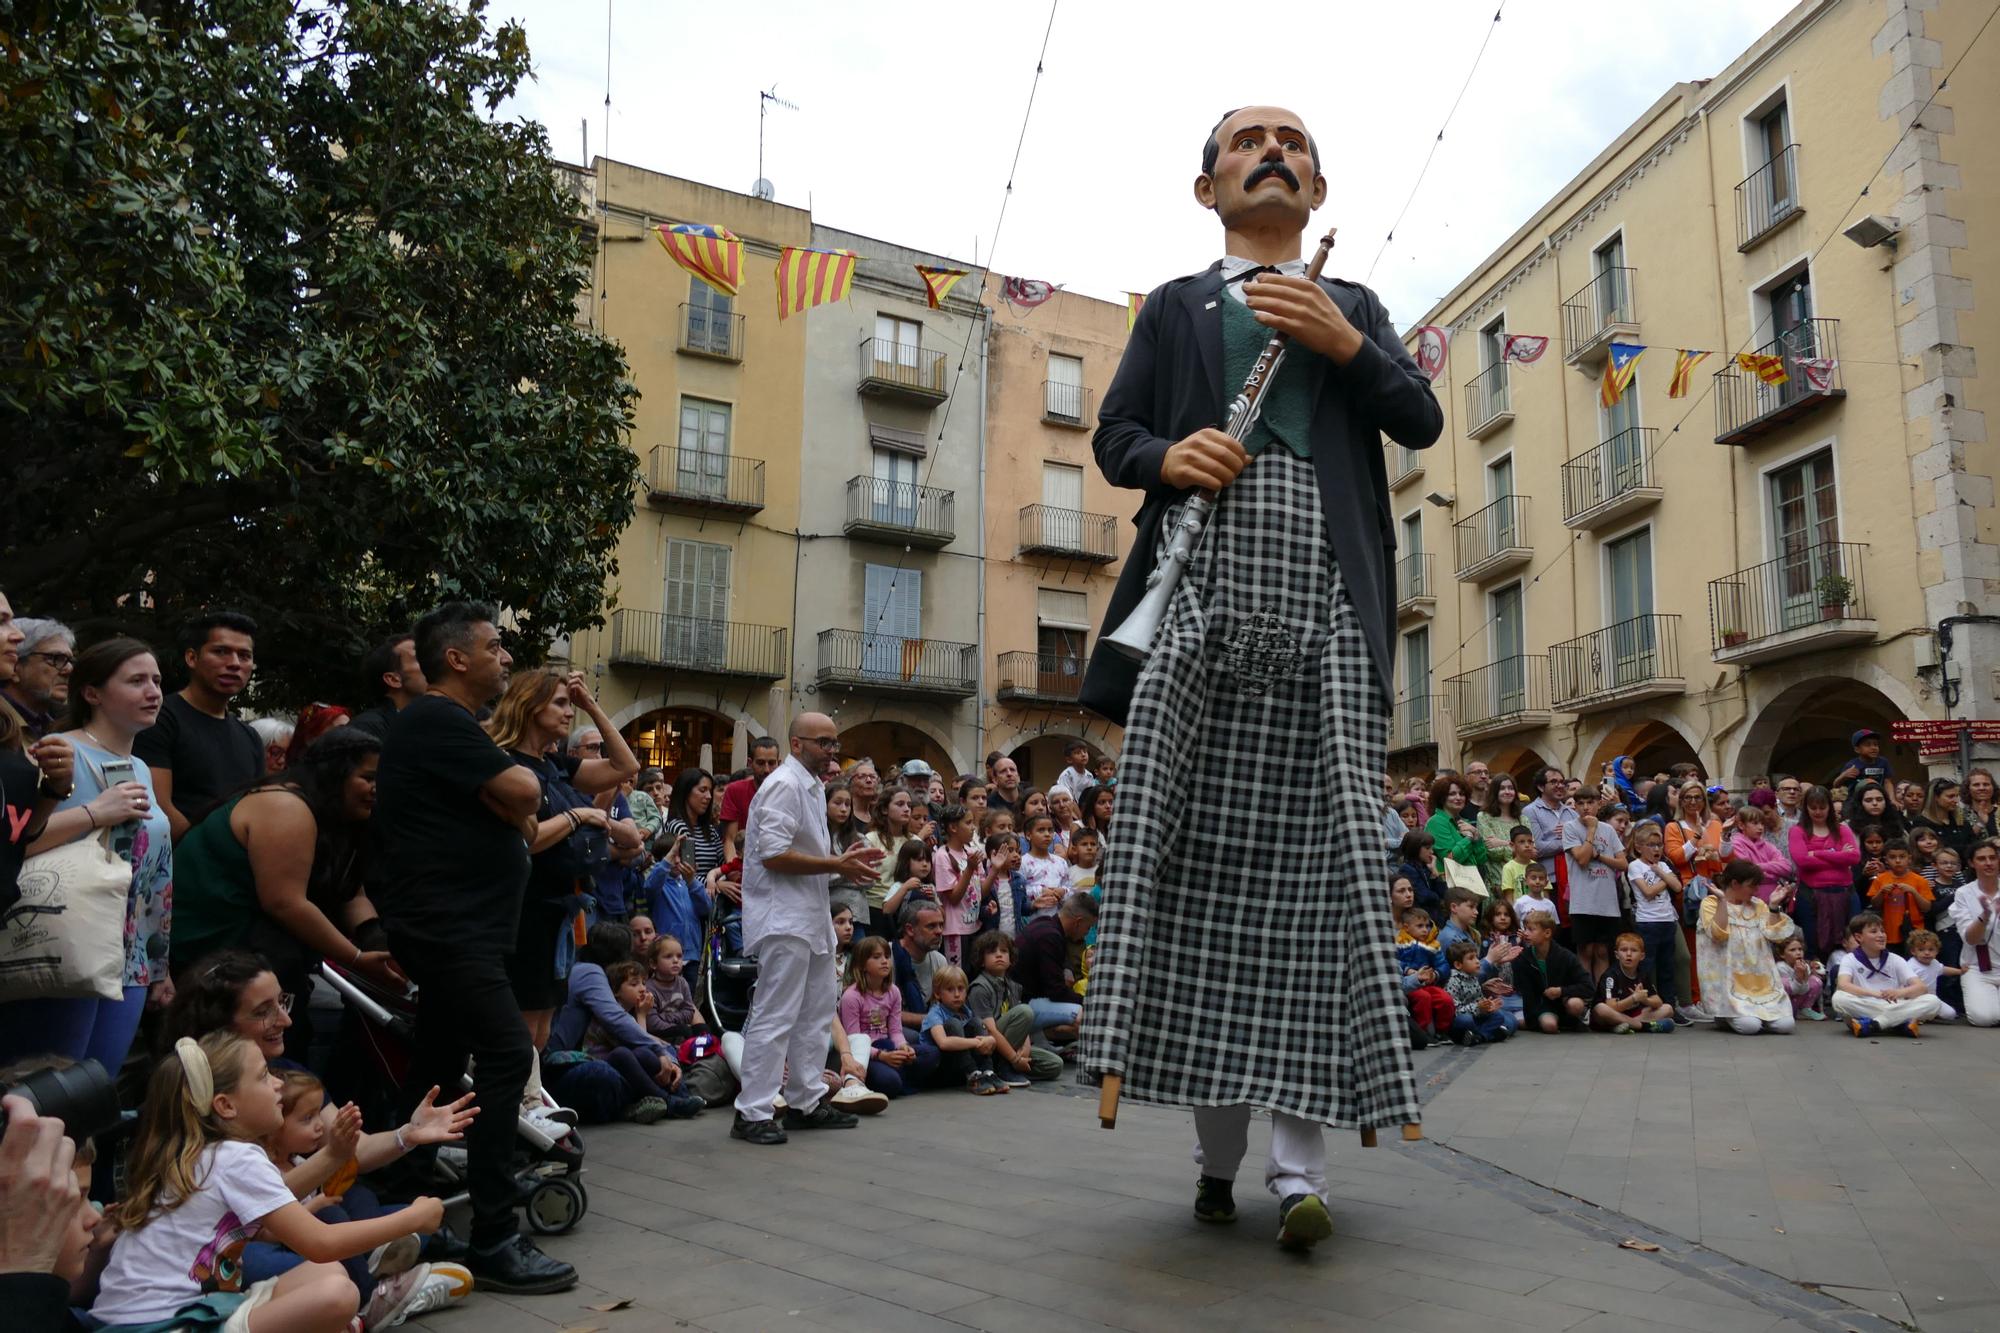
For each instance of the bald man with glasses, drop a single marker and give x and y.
(788, 863)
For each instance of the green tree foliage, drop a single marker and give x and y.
(288, 323)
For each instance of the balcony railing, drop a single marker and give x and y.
(1067, 405)
(1807, 599)
(1069, 534)
(900, 512)
(1414, 588)
(902, 370)
(1488, 405)
(1611, 480)
(887, 664)
(1418, 719)
(709, 332)
(693, 643)
(1405, 464)
(1493, 540)
(1596, 315)
(696, 479)
(1510, 695)
(1746, 407)
(1040, 677)
(1634, 659)
(1768, 197)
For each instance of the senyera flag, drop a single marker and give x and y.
(713, 254)
(1770, 369)
(1134, 303)
(807, 278)
(938, 282)
(1619, 367)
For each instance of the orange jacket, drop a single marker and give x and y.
(1684, 853)
(1896, 907)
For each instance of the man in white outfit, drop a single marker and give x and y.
(787, 862)
(1975, 910)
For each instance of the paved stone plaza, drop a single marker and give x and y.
(1790, 1183)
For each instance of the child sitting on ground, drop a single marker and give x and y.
(1879, 990)
(197, 1187)
(994, 999)
(1924, 946)
(964, 1047)
(1499, 923)
(1899, 895)
(651, 1071)
(871, 1018)
(1423, 969)
(1520, 855)
(1804, 981)
(1624, 1002)
(1477, 1017)
(1534, 894)
(1461, 912)
(1419, 853)
(1733, 942)
(1554, 988)
(673, 1015)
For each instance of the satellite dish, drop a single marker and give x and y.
(763, 189)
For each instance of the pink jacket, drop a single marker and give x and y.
(1823, 862)
(873, 1016)
(1767, 856)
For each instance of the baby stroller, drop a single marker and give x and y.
(377, 1038)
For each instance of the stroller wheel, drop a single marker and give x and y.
(556, 1205)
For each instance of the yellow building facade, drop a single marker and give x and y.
(1744, 575)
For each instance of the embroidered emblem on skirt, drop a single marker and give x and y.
(1262, 652)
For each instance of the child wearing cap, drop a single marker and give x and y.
(1867, 764)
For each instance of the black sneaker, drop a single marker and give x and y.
(1303, 1222)
(442, 1246)
(1419, 1036)
(766, 1133)
(520, 1269)
(1214, 1199)
(821, 1116)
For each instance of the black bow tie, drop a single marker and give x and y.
(1250, 273)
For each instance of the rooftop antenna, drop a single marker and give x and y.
(763, 189)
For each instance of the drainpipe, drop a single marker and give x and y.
(979, 553)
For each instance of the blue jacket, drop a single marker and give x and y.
(678, 907)
(590, 998)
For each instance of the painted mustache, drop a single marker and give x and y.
(1265, 170)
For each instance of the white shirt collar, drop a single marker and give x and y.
(1236, 269)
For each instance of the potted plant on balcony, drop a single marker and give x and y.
(1835, 591)
(1732, 636)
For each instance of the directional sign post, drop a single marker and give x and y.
(1943, 735)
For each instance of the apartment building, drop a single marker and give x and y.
(1745, 575)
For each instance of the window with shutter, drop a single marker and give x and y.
(892, 616)
(1061, 639)
(697, 604)
(703, 461)
(1065, 388)
(708, 312)
(1062, 505)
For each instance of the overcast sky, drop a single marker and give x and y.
(909, 115)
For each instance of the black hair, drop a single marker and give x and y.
(677, 803)
(319, 778)
(1898, 845)
(1414, 844)
(380, 661)
(1458, 949)
(195, 630)
(1211, 149)
(448, 627)
(1741, 872)
(1518, 830)
(763, 743)
(206, 995)
(1036, 819)
(609, 942)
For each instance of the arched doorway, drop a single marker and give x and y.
(890, 743)
(1041, 758)
(1519, 762)
(671, 739)
(1804, 731)
(1654, 745)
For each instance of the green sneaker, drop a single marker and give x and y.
(1303, 1222)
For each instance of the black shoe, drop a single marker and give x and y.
(821, 1116)
(520, 1269)
(1214, 1200)
(766, 1133)
(444, 1246)
(1303, 1222)
(1461, 1036)
(1419, 1038)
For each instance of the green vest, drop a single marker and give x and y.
(1288, 403)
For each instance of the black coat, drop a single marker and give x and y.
(1169, 385)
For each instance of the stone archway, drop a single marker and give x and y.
(702, 725)
(1802, 728)
(1654, 744)
(1040, 755)
(890, 743)
(1520, 762)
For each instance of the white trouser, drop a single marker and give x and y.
(1982, 993)
(784, 1043)
(1750, 1025)
(1888, 1013)
(1298, 1149)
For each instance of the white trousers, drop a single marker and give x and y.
(791, 1011)
(1889, 1013)
(1748, 1025)
(1982, 993)
(1298, 1149)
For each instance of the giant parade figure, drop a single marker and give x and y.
(1244, 956)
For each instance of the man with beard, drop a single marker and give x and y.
(453, 817)
(1273, 657)
(198, 750)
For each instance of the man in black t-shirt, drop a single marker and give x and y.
(197, 751)
(390, 670)
(453, 815)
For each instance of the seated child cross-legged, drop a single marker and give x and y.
(964, 1048)
(651, 1072)
(994, 999)
(1423, 969)
(871, 1018)
(1804, 981)
(1924, 947)
(1878, 991)
(673, 1015)
(1479, 1017)
(1555, 989)
(1624, 1002)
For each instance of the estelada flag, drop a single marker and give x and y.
(807, 278)
(712, 254)
(938, 282)
(1770, 369)
(1685, 360)
(1618, 371)
(1134, 303)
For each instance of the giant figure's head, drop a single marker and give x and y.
(1260, 168)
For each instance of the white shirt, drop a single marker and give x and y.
(1968, 908)
(1045, 872)
(1889, 972)
(1659, 907)
(1526, 903)
(1234, 267)
(788, 814)
(1076, 781)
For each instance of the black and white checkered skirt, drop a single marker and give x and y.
(1244, 952)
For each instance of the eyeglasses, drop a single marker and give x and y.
(60, 661)
(268, 1011)
(828, 743)
(589, 746)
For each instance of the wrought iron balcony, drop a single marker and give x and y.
(1510, 695)
(1488, 404)
(888, 664)
(1068, 405)
(1614, 479)
(1417, 720)
(1416, 594)
(900, 513)
(1768, 198)
(1040, 678)
(1746, 407)
(1634, 659)
(1405, 464)
(1597, 316)
(712, 333)
(703, 482)
(693, 643)
(1068, 534)
(903, 370)
(1807, 599)
(1494, 540)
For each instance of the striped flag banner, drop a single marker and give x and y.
(712, 254)
(1619, 367)
(807, 278)
(1134, 303)
(1770, 369)
(1685, 360)
(938, 282)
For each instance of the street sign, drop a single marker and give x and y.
(1943, 732)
